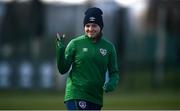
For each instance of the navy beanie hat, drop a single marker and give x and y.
(94, 15)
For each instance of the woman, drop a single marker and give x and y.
(90, 56)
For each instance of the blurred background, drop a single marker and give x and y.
(146, 34)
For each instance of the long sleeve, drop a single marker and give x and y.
(113, 67)
(113, 72)
(64, 56)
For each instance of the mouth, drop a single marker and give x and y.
(91, 33)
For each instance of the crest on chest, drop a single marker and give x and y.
(102, 51)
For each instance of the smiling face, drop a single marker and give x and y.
(92, 30)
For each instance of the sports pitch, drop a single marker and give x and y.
(47, 100)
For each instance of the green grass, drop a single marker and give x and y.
(31, 100)
(142, 101)
(54, 100)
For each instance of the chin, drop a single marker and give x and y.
(92, 36)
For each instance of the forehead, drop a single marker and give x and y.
(91, 24)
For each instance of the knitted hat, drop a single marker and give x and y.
(94, 15)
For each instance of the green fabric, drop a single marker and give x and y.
(89, 61)
(112, 83)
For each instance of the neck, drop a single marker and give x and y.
(97, 38)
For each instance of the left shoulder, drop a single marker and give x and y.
(107, 42)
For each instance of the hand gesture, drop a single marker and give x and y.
(60, 38)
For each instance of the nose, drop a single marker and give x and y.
(90, 28)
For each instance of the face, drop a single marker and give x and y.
(92, 30)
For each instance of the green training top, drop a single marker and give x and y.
(89, 61)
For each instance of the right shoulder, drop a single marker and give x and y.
(74, 41)
(78, 39)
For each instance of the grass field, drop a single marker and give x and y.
(46, 100)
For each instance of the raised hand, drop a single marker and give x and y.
(60, 38)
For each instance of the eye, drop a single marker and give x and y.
(94, 25)
(87, 25)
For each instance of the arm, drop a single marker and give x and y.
(113, 72)
(64, 55)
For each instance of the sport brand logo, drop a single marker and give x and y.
(85, 49)
(92, 19)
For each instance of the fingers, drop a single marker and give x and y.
(63, 35)
(60, 37)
